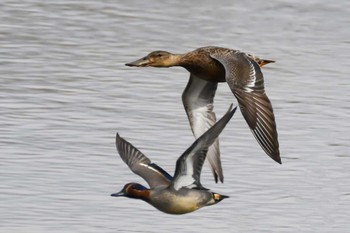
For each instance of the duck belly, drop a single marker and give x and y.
(180, 204)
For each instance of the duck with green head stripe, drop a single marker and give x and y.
(182, 193)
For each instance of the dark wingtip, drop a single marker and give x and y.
(217, 175)
(230, 109)
(278, 160)
(117, 139)
(230, 112)
(276, 157)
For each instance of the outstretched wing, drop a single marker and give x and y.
(198, 99)
(246, 81)
(141, 165)
(190, 163)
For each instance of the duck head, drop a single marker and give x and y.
(133, 190)
(157, 59)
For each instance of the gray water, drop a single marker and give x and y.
(65, 92)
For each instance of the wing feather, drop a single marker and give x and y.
(246, 82)
(141, 165)
(198, 100)
(190, 163)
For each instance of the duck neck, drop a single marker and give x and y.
(175, 60)
(188, 61)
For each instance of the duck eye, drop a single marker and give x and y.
(159, 55)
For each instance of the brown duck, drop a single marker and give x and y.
(207, 67)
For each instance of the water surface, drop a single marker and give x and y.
(65, 92)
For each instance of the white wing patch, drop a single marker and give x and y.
(202, 124)
(198, 100)
(149, 167)
(200, 108)
(185, 179)
(252, 77)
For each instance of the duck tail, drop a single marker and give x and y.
(218, 197)
(262, 62)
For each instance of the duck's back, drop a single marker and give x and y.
(199, 63)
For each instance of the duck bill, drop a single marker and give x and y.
(139, 63)
(119, 194)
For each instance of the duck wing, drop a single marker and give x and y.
(141, 165)
(190, 163)
(198, 100)
(246, 81)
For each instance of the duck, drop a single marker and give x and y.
(183, 193)
(209, 66)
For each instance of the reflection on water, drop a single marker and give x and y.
(65, 92)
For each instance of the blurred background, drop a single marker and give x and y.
(65, 92)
